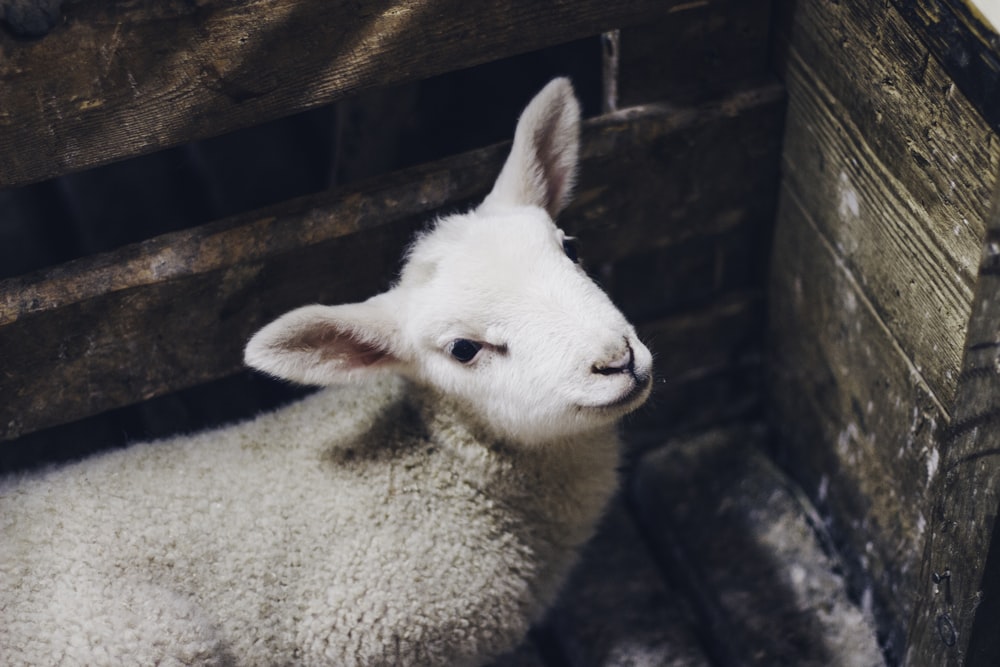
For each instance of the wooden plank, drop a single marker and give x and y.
(889, 174)
(740, 539)
(947, 621)
(856, 421)
(714, 47)
(117, 79)
(902, 195)
(965, 44)
(917, 276)
(708, 368)
(886, 84)
(616, 609)
(687, 275)
(728, 151)
(172, 312)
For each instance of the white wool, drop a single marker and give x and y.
(426, 512)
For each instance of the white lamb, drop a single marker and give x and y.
(423, 513)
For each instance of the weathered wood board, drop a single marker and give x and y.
(116, 79)
(947, 627)
(710, 49)
(115, 328)
(856, 421)
(699, 294)
(887, 177)
(899, 188)
(913, 265)
(963, 41)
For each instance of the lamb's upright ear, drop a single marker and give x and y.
(541, 168)
(326, 344)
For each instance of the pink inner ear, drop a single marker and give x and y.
(551, 176)
(367, 356)
(342, 347)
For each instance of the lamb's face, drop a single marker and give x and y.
(499, 314)
(491, 308)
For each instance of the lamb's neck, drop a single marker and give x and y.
(565, 482)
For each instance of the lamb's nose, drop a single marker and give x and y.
(622, 364)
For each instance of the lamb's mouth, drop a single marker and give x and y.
(630, 399)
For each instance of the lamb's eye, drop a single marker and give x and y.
(571, 248)
(465, 350)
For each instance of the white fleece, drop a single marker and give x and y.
(379, 531)
(423, 513)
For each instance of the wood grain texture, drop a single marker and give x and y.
(683, 164)
(947, 621)
(122, 78)
(174, 311)
(855, 420)
(888, 176)
(886, 84)
(916, 271)
(900, 189)
(965, 44)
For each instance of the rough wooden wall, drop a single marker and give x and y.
(887, 178)
(119, 78)
(699, 291)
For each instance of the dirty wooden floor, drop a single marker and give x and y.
(710, 556)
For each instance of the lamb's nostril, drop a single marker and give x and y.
(622, 364)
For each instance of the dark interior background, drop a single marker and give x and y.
(104, 208)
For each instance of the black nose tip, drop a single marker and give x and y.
(624, 363)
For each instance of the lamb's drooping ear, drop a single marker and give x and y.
(541, 168)
(324, 345)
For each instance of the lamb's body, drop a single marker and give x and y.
(417, 521)
(376, 533)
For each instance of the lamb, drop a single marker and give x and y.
(421, 509)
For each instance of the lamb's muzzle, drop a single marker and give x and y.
(624, 363)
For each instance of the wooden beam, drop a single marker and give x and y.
(119, 79)
(715, 47)
(888, 176)
(174, 311)
(966, 496)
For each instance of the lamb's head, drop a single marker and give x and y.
(491, 308)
